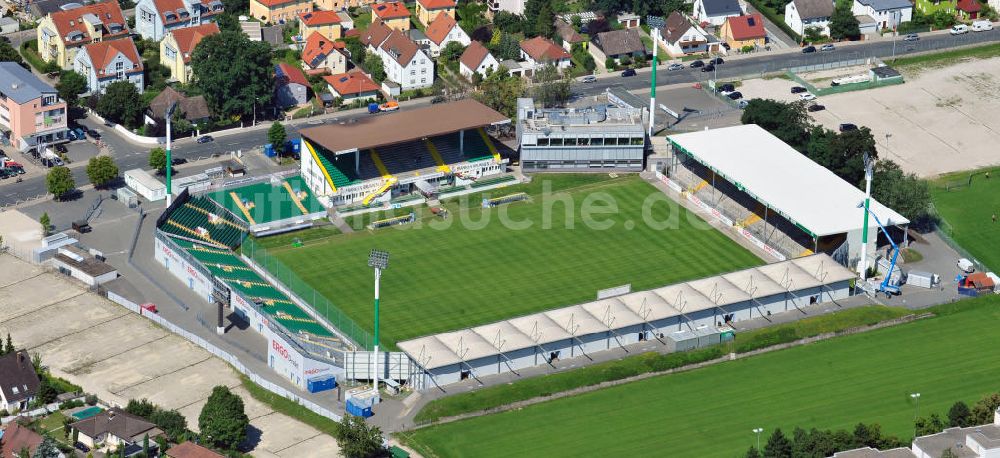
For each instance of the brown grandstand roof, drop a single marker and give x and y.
(404, 126)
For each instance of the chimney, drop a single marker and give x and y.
(20, 358)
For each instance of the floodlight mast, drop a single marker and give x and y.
(863, 262)
(378, 260)
(169, 114)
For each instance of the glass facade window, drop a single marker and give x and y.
(584, 141)
(569, 142)
(543, 142)
(556, 142)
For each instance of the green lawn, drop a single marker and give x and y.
(968, 211)
(832, 384)
(470, 269)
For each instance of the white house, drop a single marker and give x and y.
(405, 64)
(106, 62)
(715, 12)
(18, 381)
(477, 59)
(154, 18)
(680, 37)
(443, 30)
(888, 14)
(801, 14)
(539, 51)
(352, 86)
(510, 6)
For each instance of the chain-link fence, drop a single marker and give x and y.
(307, 293)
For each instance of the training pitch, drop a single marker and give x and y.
(832, 384)
(967, 208)
(479, 270)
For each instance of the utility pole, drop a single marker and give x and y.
(863, 262)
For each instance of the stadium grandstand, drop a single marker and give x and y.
(774, 195)
(382, 157)
(278, 205)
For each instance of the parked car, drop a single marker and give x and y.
(982, 26)
(588, 79)
(966, 266)
(959, 29)
(94, 134)
(674, 67)
(708, 68)
(726, 88)
(178, 161)
(735, 95)
(743, 103)
(827, 47)
(716, 61)
(6, 173)
(628, 72)
(82, 226)
(80, 133)
(205, 139)
(696, 64)
(807, 96)
(815, 107)
(845, 127)
(391, 105)
(911, 37)
(726, 45)
(439, 99)
(798, 89)
(808, 49)
(60, 148)
(149, 307)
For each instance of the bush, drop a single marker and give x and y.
(71, 404)
(91, 399)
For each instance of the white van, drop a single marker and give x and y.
(982, 26)
(959, 29)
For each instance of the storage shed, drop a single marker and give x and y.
(145, 185)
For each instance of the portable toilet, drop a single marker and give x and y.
(269, 150)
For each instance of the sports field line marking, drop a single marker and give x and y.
(295, 198)
(8, 320)
(75, 369)
(125, 313)
(210, 356)
(23, 279)
(243, 208)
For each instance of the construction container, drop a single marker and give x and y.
(922, 279)
(321, 383)
(357, 410)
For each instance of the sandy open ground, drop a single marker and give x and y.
(119, 356)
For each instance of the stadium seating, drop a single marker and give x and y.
(475, 148)
(194, 214)
(406, 157)
(339, 168)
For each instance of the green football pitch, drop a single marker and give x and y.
(832, 384)
(473, 268)
(967, 207)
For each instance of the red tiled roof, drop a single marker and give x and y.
(189, 37)
(352, 33)
(400, 47)
(317, 18)
(191, 450)
(376, 33)
(70, 21)
(294, 74)
(17, 437)
(318, 47)
(350, 83)
(440, 27)
(390, 10)
(474, 55)
(273, 3)
(177, 7)
(102, 52)
(436, 4)
(747, 27)
(542, 49)
(969, 6)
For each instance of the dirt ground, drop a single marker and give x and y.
(119, 356)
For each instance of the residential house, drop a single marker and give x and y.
(510, 6)
(741, 31)
(62, 34)
(341, 5)
(326, 23)
(192, 109)
(279, 11)
(802, 14)
(929, 7)
(346, 21)
(31, 112)
(569, 35)
(40, 9)
(15, 437)
(321, 55)
(405, 64)
(177, 47)
(444, 30)
(616, 44)
(680, 37)
(374, 36)
(867, 25)
(629, 20)
(393, 14)
(715, 12)
(113, 428)
(191, 450)
(477, 59)
(968, 10)
(154, 18)
(18, 380)
(540, 51)
(9, 25)
(352, 86)
(106, 62)
(888, 14)
(290, 86)
(428, 10)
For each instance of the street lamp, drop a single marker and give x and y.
(916, 410)
(378, 260)
(757, 431)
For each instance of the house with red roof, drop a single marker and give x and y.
(539, 51)
(321, 55)
(352, 86)
(443, 30)
(428, 10)
(405, 64)
(155, 18)
(290, 85)
(969, 9)
(15, 437)
(477, 59)
(745, 30)
(177, 47)
(394, 14)
(279, 11)
(106, 62)
(62, 34)
(324, 22)
(191, 450)
(374, 35)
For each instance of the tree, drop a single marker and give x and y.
(597, 26)
(158, 159)
(813, 34)
(753, 453)
(46, 449)
(140, 408)
(506, 48)
(277, 135)
(235, 7)
(145, 445)
(778, 446)
(223, 422)
(908, 195)
(10, 343)
(357, 439)
(373, 65)
(545, 21)
(843, 24)
(46, 392)
(982, 412)
(452, 52)
(959, 413)
(233, 90)
(787, 121)
(71, 84)
(59, 181)
(610, 64)
(171, 422)
(355, 49)
(928, 426)
(122, 104)
(509, 22)
(9, 54)
(500, 92)
(551, 88)
(101, 170)
(849, 150)
(941, 19)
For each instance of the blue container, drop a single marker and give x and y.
(321, 383)
(358, 411)
(269, 150)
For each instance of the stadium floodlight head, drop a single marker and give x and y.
(758, 430)
(378, 259)
(915, 395)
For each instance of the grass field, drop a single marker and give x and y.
(477, 269)
(968, 211)
(710, 412)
